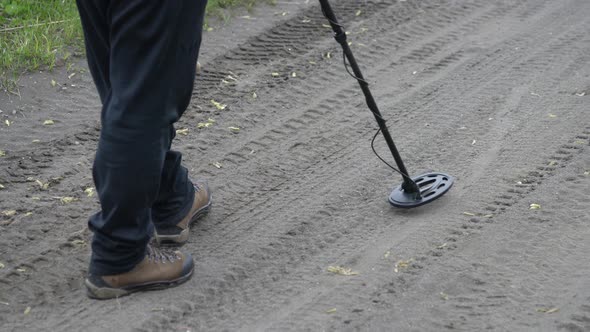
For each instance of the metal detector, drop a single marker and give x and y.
(414, 191)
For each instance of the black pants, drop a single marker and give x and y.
(142, 55)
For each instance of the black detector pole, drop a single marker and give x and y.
(413, 191)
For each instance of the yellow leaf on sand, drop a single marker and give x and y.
(1, 265)
(552, 115)
(444, 296)
(89, 191)
(358, 13)
(469, 214)
(7, 123)
(547, 310)
(53, 83)
(331, 311)
(342, 271)
(42, 185)
(234, 129)
(294, 74)
(183, 131)
(48, 122)
(28, 214)
(67, 200)
(217, 164)
(229, 79)
(254, 95)
(27, 311)
(219, 105)
(207, 124)
(79, 242)
(534, 206)
(2, 186)
(275, 74)
(402, 265)
(9, 213)
(2, 153)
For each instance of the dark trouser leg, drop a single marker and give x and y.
(175, 197)
(96, 34)
(152, 47)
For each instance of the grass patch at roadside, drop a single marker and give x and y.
(35, 34)
(39, 34)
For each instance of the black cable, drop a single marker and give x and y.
(329, 20)
(346, 65)
(383, 160)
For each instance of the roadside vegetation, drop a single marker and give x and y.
(40, 34)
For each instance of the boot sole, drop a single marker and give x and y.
(182, 238)
(104, 293)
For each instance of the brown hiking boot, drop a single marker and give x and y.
(178, 235)
(159, 269)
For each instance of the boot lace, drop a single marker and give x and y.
(162, 255)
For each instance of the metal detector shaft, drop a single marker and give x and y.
(408, 185)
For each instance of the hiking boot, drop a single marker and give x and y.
(178, 235)
(159, 269)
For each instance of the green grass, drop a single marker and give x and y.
(35, 34)
(40, 34)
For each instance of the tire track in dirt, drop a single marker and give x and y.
(55, 254)
(283, 175)
(488, 290)
(274, 256)
(333, 100)
(458, 232)
(288, 131)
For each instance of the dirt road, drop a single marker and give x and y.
(495, 93)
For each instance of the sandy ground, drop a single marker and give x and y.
(495, 93)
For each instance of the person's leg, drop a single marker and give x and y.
(176, 192)
(93, 15)
(179, 202)
(145, 99)
(176, 198)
